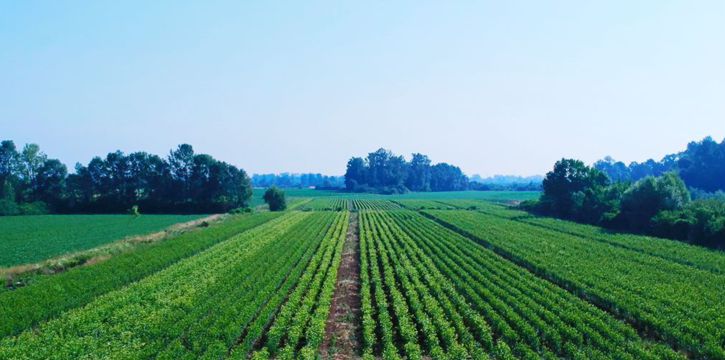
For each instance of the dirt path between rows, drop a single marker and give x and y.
(342, 340)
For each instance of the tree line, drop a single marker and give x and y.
(384, 172)
(506, 183)
(659, 204)
(182, 182)
(701, 166)
(287, 180)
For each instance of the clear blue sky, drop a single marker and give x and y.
(499, 87)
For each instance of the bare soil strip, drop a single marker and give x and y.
(342, 340)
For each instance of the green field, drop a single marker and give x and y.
(457, 277)
(28, 239)
(681, 303)
(481, 195)
(47, 296)
(494, 196)
(466, 301)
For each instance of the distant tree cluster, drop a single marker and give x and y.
(701, 166)
(287, 180)
(658, 205)
(30, 182)
(384, 172)
(184, 182)
(506, 183)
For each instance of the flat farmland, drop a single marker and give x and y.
(375, 277)
(27, 239)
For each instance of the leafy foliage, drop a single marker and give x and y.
(274, 197)
(29, 181)
(303, 317)
(654, 205)
(210, 305)
(647, 197)
(701, 166)
(184, 182)
(677, 303)
(700, 222)
(384, 172)
(570, 187)
(48, 296)
(452, 298)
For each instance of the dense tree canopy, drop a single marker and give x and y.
(29, 181)
(647, 197)
(655, 205)
(184, 182)
(446, 177)
(568, 186)
(701, 166)
(700, 222)
(384, 172)
(419, 173)
(275, 198)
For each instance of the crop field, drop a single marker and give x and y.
(326, 203)
(466, 301)
(492, 196)
(377, 277)
(419, 204)
(214, 304)
(375, 205)
(44, 297)
(27, 239)
(680, 304)
(344, 203)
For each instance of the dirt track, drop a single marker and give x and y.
(342, 333)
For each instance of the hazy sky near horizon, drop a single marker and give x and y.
(496, 87)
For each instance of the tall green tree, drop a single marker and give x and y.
(446, 177)
(51, 183)
(275, 198)
(702, 165)
(419, 174)
(31, 159)
(8, 169)
(181, 165)
(568, 185)
(384, 172)
(651, 195)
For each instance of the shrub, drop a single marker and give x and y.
(8, 207)
(274, 197)
(34, 208)
(701, 222)
(241, 210)
(647, 197)
(134, 211)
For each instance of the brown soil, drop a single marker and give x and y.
(342, 338)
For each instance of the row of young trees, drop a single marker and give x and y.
(183, 182)
(701, 166)
(384, 172)
(660, 205)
